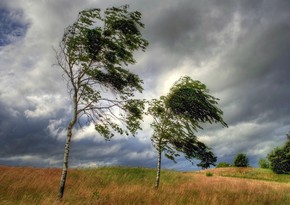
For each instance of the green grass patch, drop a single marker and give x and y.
(254, 173)
(129, 175)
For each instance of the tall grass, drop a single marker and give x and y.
(121, 185)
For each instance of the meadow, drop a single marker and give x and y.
(124, 185)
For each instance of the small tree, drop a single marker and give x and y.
(280, 158)
(241, 160)
(264, 163)
(93, 55)
(176, 118)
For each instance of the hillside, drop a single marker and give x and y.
(250, 173)
(121, 185)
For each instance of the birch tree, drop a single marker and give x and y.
(93, 54)
(176, 119)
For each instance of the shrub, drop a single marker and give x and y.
(222, 164)
(241, 160)
(264, 163)
(208, 174)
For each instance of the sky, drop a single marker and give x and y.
(239, 48)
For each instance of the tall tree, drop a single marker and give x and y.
(176, 118)
(93, 55)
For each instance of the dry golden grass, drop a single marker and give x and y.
(135, 186)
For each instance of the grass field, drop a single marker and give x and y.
(121, 185)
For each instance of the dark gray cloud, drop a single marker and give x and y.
(239, 49)
(12, 26)
(23, 140)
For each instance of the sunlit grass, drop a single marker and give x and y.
(122, 185)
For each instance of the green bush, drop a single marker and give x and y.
(264, 163)
(222, 164)
(208, 174)
(241, 160)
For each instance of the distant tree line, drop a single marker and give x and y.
(278, 160)
(240, 160)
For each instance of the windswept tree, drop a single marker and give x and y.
(176, 119)
(94, 53)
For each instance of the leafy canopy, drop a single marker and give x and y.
(280, 158)
(241, 160)
(95, 52)
(191, 100)
(176, 118)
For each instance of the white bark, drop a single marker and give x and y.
(67, 149)
(158, 169)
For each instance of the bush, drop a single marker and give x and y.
(264, 163)
(222, 164)
(208, 174)
(241, 160)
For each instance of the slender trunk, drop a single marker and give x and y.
(65, 162)
(158, 169)
(66, 151)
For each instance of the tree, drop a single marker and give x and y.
(264, 163)
(93, 55)
(280, 158)
(241, 160)
(176, 118)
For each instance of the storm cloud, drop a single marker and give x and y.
(239, 49)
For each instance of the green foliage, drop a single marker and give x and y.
(264, 163)
(223, 164)
(94, 53)
(175, 124)
(207, 158)
(190, 100)
(241, 160)
(279, 161)
(280, 158)
(208, 174)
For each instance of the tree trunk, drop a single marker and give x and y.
(158, 169)
(66, 150)
(65, 162)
